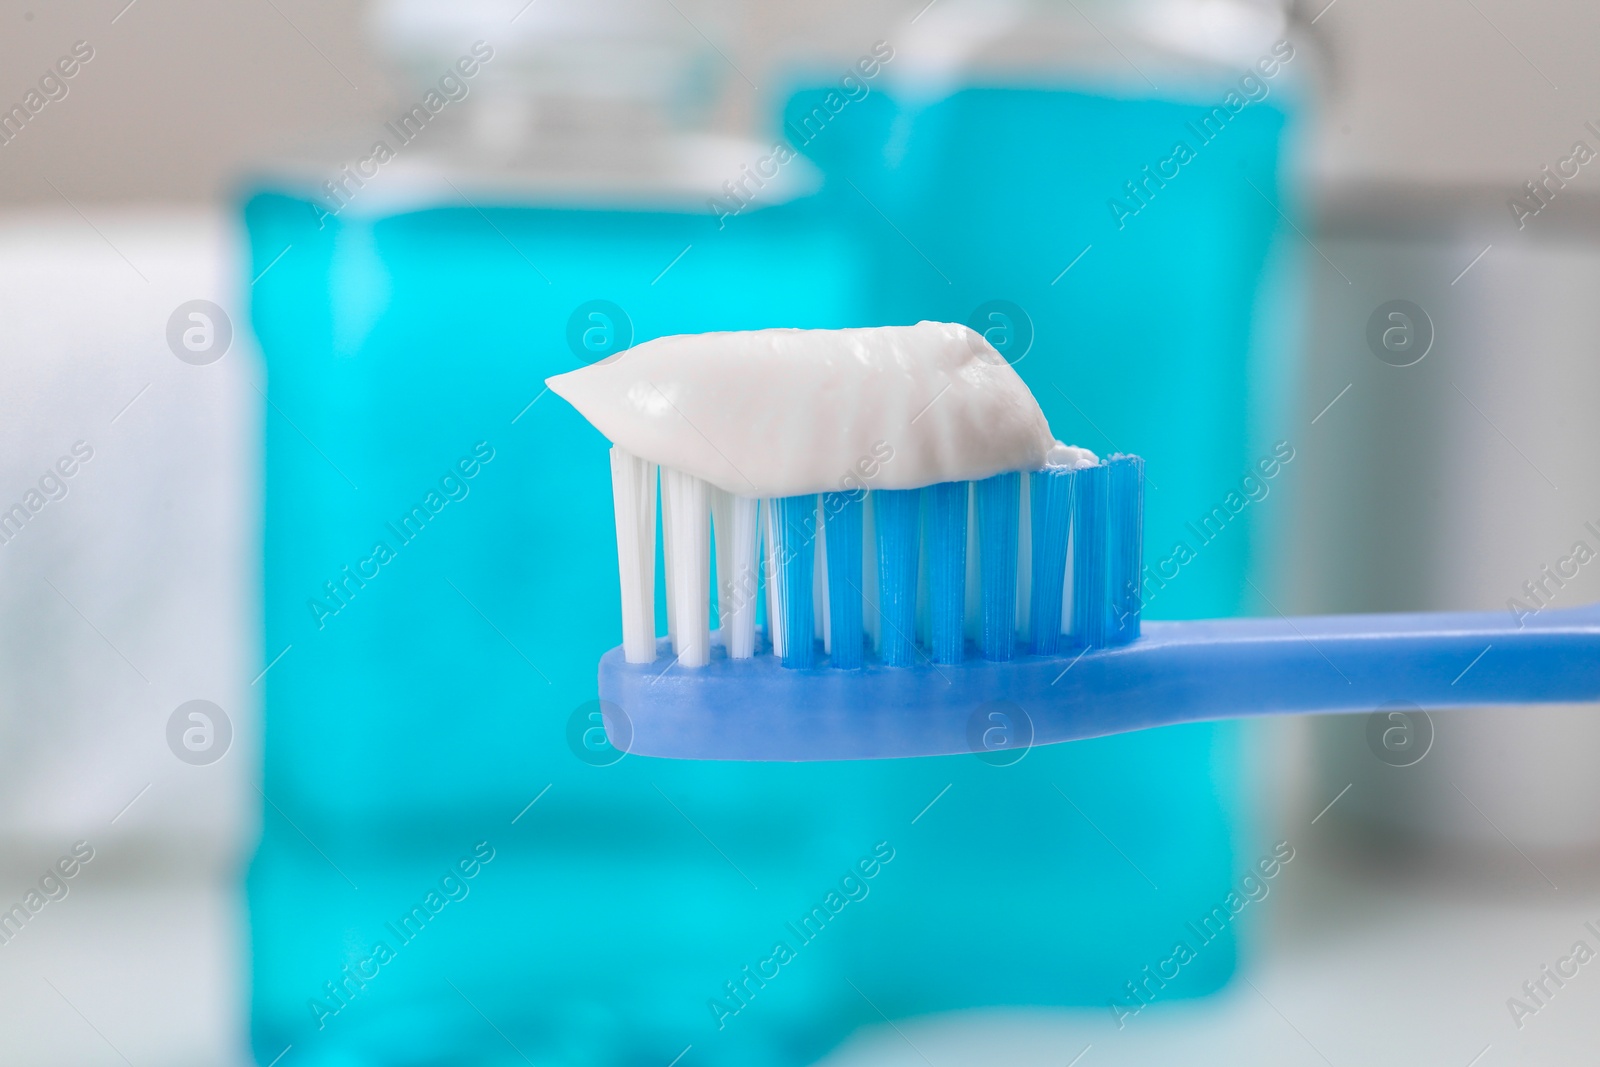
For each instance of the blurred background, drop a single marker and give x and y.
(273, 270)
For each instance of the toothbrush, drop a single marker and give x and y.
(996, 612)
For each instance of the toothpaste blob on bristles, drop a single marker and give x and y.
(783, 412)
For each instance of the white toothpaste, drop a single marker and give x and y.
(732, 419)
(1070, 457)
(773, 413)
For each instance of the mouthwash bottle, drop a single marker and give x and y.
(1108, 217)
(454, 866)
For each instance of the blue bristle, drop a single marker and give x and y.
(797, 517)
(945, 506)
(842, 528)
(1086, 523)
(1125, 528)
(1090, 610)
(895, 518)
(1050, 493)
(999, 499)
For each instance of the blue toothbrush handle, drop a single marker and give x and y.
(1225, 668)
(1176, 672)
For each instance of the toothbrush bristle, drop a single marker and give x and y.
(1050, 493)
(822, 625)
(688, 535)
(722, 551)
(667, 558)
(946, 507)
(770, 540)
(1126, 520)
(797, 557)
(734, 529)
(633, 492)
(895, 515)
(842, 532)
(1089, 505)
(1050, 562)
(998, 505)
(1024, 597)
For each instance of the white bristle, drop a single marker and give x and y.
(1024, 559)
(741, 636)
(774, 584)
(722, 550)
(633, 497)
(686, 524)
(735, 530)
(1066, 588)
(666, 555)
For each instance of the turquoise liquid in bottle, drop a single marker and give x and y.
(1061, 877)
(440, 564)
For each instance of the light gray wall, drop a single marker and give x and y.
(182, 94)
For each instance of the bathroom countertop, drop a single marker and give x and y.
(1360, 959)
(1348, 968)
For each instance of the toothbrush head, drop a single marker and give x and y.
(804, 609)
(876, 645)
